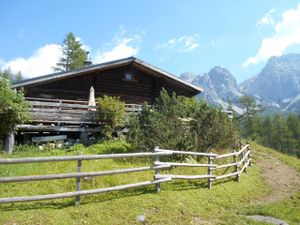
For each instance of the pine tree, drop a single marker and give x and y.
(73, 55)
(9, 75)
(250, 115)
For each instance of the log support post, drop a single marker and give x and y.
(209, 172)
(10, 142)
(157, 171)
(79, 165)
(244, 162)
(236, 167)
(250, 156)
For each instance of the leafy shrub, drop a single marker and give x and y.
(25, 148)
(13, 108)
(110, 146)
(111, 110)
(77, 148)
(105, 147)
(181, 123)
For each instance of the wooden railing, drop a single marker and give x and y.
(244, 154)
(44, 110)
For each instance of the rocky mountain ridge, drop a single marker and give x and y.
(276, 87)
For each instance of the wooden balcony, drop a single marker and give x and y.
(65, 115)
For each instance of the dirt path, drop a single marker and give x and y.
(282, 179)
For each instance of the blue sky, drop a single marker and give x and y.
(177, 36)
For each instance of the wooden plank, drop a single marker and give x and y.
(81, 193)
(56, 110)
(56, 100)
(62, 105)
(237, 178)
(64, 122)
(246, 165)
(225, 165)
(244, 158)
(227, 175)
(78, 181)
(209, 172)
(184, 177)
(78, 157)
(78, 175)
(62, 116)
(27, 127)
(157, 172)
(185, 164)
(49, 138)
(226, 155)
(233, 153)
(188, 153)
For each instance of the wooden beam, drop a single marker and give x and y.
(49, 138)
(78, 175)
(49, 128)
(78, 157)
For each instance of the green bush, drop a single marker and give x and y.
(181, 123)
(13, 108)
(104, 147)
(111, 110)
(25, 148)
(110, 146)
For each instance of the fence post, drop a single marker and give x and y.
(243, 154)
(250, 157)
(236, 167)
(157, 171)
(79, 164)
(209, 171)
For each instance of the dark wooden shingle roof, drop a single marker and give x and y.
(107, 65)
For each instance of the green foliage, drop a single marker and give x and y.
(109, 147)
(104, 147)
(73, 55)
(25, 148)
(180, 123)
(279, 132)
(111, 110)
(248, 120)
(13, 108)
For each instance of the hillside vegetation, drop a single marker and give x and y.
(179, 202)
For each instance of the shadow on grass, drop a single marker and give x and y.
(106, 197)
(70, 202)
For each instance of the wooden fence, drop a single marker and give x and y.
(243, 155)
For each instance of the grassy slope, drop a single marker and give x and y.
(177, 203)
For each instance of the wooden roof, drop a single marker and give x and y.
(139, 64)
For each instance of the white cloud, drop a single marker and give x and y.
(123, 48)
(267, 19)
(40, 63)
(182, 44)
(123, 45)
(286, 34)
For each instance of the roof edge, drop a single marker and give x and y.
(117, 62)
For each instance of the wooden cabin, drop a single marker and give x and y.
(59, 101)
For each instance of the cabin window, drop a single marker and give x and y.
(128, 76)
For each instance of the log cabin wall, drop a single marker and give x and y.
(142, 88)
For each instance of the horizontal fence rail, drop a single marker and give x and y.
(46, 110)
(244, 154)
